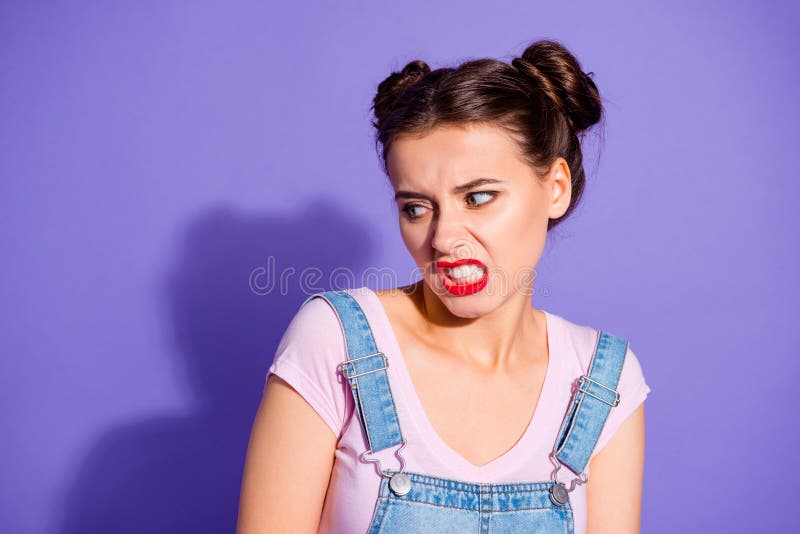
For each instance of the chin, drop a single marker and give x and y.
(467, 302)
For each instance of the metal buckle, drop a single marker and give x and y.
(584, 378)
(581, 479)
(340, 366)
(386, 472)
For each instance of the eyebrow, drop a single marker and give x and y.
(456, 190)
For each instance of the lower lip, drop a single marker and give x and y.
(461, 290)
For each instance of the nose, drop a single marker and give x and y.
(449, 237)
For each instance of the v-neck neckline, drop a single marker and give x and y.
(507, 461)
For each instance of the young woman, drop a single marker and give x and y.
(451, 404)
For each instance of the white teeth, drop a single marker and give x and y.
(465, 273)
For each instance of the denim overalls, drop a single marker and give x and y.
(419, 503)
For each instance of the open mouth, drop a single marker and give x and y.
(463, 277)
(464, 274)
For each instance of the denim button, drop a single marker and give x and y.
(400, 483)
(559, 494)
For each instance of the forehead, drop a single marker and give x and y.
(457, 153)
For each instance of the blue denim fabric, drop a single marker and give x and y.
(439, 505)
(592, 403)
(371, 390)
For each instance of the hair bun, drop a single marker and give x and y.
(556, 72)
(392, 88)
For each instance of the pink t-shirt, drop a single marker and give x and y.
(313, 345)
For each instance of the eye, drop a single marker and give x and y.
(482, 197)
(409, 210)
(414, 210)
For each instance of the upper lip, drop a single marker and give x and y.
(440, 264)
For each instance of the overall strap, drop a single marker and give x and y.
(365, 370)
(595, 396)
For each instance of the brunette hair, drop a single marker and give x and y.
(543, 99)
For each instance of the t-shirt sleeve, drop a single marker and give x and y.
(632, 390)
(307, 355)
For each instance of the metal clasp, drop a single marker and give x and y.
(559, 493)
(386, 472)
(340, 367)
(581, 479)
(584, 379)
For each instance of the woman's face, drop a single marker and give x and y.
(463, 193)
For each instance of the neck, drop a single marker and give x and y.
(495, 341)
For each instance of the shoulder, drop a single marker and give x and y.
(633, 388)
(580, 340)
(316, 327)
(579, 344)
(577, 340)
(308, 355)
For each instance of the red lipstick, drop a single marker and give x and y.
(457, 289)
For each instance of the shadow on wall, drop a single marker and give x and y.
(183, 473)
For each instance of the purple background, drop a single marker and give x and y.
(153, 156)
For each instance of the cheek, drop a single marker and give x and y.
(510, 222)
(516, 233)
